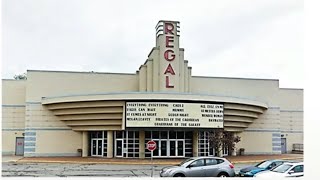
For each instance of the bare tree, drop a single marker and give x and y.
(218, 139)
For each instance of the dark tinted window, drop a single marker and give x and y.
(219, 161)
(197, 163)
(298, 168)
(148, 134)
(210, 162)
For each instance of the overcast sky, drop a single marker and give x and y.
(221, 38)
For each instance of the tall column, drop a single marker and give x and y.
(85, 147)
(195, 143)
(110, 144)
(141, 145)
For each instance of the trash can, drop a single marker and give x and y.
(241, 151)
(80, 152)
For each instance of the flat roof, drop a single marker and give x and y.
(88, 72)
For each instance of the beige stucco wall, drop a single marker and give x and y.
(46, 83)
(291, 120)
(38, 116)
(292, 138)
(13, 113)
(13, 92)
(263, 90)
(59, 142)
(9, 140)
(269, 120)
(255, 142)
(290, 99)
(13, 116)
(292, 128)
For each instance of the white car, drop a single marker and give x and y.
(288, 169)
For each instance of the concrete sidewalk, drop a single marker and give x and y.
(121, 161)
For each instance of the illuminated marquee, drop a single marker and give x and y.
(168, 114)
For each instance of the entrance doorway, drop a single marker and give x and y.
(19, 146)
(283, 145)
(170, 144)
(97, 147)
(169, 148)
(119, 148)
(98, 143)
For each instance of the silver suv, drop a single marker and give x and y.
(200, 167)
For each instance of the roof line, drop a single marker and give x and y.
(235, 78)
(88, 72)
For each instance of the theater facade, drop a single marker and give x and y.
(114, 115)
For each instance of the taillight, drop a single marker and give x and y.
(231, 166)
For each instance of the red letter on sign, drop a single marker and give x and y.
(167, 83)
(166, 55)
(168, 40)
(169, 70)
(168, 27)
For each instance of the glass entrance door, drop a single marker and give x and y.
(96, 147)
(163, 148)
(176, 148)
(119, 148)
(172, 148)
(180, 149)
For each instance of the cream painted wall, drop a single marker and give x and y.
(270, 119)
(13, 92)
(263, 90)
(291, 120)
(290, 99)
(58, 142)
(254, 142)
(38, 116)
(51, 83)
(9, 141)
(292, 138)
(13, 117)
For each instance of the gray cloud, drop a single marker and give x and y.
(245, 38)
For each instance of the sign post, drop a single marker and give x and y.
(151, 146)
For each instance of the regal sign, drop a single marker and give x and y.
(169, 54)
(168, 41)
(169, 114)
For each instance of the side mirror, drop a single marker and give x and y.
(290, 172)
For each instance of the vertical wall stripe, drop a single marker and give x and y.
(30, 140)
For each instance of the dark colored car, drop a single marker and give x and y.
(262, 166)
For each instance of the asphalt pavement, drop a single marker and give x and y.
(17, 166)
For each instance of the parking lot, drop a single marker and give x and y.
(76, 170)
(15, 166)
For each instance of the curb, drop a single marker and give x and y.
(131, 163)
(255, 161)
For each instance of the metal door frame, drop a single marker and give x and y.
(284, 146)
(176, 147)
(97, 147)
(17, 146)
(116, 148)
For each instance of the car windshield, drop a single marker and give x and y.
(282, 168)
(185, 161)
(263, 164)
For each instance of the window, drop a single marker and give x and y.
(298, 168)
(130, 140)
(219, 161)
(210, 162)
(197, 163)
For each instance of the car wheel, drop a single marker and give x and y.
(223, 175)
(179, 175)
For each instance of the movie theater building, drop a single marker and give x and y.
(114, 115)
